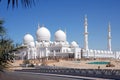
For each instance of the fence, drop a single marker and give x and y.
(102, 73)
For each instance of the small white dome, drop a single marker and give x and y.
(91, 50)
(60, 36)
(67, 43)
(32, 44)
(74, 44)
(102, 51)
(27, 39)
(43, 34)
(98, 51)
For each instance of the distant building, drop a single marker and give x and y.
(60, 47)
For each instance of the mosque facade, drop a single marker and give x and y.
(43, 47)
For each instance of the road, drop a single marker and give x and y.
(41, 76)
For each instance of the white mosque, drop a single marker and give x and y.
(43, 47)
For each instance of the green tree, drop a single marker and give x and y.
(6, 48)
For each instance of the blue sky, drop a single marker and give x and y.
(69, 15)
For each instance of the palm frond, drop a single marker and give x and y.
(24, 3)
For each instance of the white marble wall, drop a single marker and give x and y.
(101, 54)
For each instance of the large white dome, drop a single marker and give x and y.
(43, 34)
(27, 39)
(60, 36)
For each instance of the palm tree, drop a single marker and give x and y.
(2, 29)
(5, 53)
(6, 48)
(25, 3)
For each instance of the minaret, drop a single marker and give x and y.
(109, 37)
(85, 33)
(65, 33)
(38, 25)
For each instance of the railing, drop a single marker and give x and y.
(103, 73)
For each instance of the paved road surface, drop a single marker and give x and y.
(41, 76)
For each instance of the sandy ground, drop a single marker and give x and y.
(82, 64)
